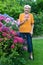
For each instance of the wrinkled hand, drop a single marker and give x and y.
(31, 33)
(25, 19)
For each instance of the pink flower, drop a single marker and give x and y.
(0, 29)
(2, 17)
(9, 37)
(4, 34)
(20, 40)
(5, 29)
(1, 24)
(1, 39)
(13, 32)
(15, 41)
(25, 48)
(12, 46)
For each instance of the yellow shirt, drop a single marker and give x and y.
(27, 26)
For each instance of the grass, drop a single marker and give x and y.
(38, 53)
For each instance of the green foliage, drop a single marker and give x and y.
(38, 28)
(40, 5)
(10, 7)
(15, 7)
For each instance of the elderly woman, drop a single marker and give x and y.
(26, 28)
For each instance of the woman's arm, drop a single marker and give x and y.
(23, 21)
(32, 29)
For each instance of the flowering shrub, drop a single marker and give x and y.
(9, 36)
(10, 43)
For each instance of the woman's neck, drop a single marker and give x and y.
(26, 13)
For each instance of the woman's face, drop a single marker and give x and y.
(26, 10)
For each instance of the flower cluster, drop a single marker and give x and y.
(9, 38)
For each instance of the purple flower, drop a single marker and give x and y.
(25, 48)
(7, 20)
(5, 29)
(9, 37)
(1, 24)
(4, 34)
(0, 29)
(20, 40)
(18, 34)
(2, 17)
(15, 41)
(12, 46)
(12, 32)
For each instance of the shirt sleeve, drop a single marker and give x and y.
(32, 19)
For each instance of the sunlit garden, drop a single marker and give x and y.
(12, 51)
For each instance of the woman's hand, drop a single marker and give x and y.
(25, 19)
(32, 29)
(31, 33)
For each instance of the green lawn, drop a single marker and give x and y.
(38, 53)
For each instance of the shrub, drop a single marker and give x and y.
(38, 28)
(10, 46)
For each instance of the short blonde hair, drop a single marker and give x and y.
(27, 6)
